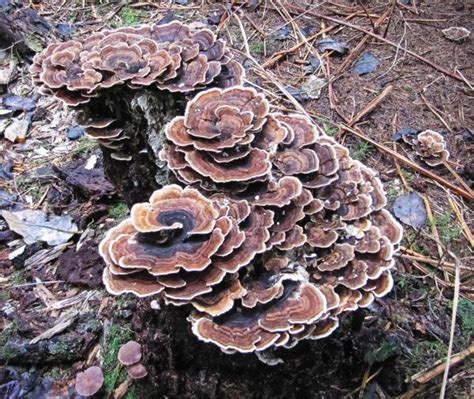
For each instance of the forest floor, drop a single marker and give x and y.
(56, 317)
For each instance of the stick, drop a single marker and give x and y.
(357, 50)
(374, 35)
(298, 31)
(424, 376)
(367, 109)
(296, 104)
(435, 233)
(280, 54)
(453, 327)
(413, 255)
(405, 184)
(458, 178)
(436, 113)
(409, 163)
(465, 227)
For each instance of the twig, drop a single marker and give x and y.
(43, 197)
(38, 282)
(395, 59)
(465, 227)
(409, 163)
(280, 54)
(394, 4)
(161, 7)
(400, 172)
(397, 165)
(421, 20)
(432, 275)
(415, 393)
(366, 110)
(297, 30)
(426, 375)
(360, 46)
(366, 379)
(453, 326)
(436, 113)
(296, 104)
(423, 259)
(458, 178)
(373, 104)
(331, 94)
(378, 37)
(435, 233)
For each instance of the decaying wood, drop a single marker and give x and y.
(23, 29)
(143, 116)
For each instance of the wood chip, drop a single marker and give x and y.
(64, 322)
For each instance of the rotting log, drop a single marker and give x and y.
(180, 365)
(23, 29)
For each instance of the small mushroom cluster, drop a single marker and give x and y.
(277, 233)
(130, 355)
(430, 146)
(173, 57)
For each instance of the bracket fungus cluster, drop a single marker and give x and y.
(430, 146)
(174, 57)
(277, 232)
(269, 232)
(123, 83)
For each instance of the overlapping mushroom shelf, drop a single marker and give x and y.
(430, 146)
(173, 57)
(277, 233)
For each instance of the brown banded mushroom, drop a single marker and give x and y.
(113, 73)
(181, 245)
(262, 327)
(430, 146)
(173, 56)
(215, 139)
(277, 233)
(89, 381)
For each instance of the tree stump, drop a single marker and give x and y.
(142, 116)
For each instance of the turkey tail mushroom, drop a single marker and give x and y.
(172, 56)
(277, 233)
(137, 79)
(430, 146)
(181, 245)
(294, 231)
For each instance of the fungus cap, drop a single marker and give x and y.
(137, 371)
(89, 381)
(130, 353)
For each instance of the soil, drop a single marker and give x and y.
(374, 353)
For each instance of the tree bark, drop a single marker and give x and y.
(181, 366)
(22, 28)
(142, 115)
